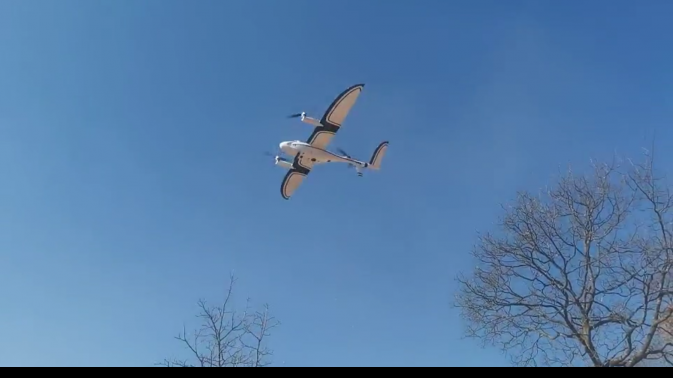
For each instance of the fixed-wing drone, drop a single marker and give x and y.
(313, 151)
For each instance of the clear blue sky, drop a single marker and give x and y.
(134, 181)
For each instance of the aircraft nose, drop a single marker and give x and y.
(282, 145)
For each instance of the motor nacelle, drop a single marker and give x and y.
(283, 163)
(309, 120)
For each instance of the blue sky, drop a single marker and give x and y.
(134, 181)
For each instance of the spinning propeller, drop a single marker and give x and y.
(271, 154)
(344, 153)
(297, 115)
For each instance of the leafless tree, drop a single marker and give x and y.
(227, 338)
(663, 337)
(579, 274)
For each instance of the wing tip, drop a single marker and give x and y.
(284, 191)
(361, 86)
(349, 90)
(283, 183)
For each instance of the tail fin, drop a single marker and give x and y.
(379, 153)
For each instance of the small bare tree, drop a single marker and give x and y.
(227, 338)
(579, 275)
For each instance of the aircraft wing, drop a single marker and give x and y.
(334, 117)
(295, 176)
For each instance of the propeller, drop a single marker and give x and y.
(344, 153)
(272, 154)
(297, 115)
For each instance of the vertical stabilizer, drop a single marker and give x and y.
(379, 153)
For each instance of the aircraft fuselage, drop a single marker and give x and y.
(316, 155)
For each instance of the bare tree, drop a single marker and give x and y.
(580, 274)
(227, 338)
(663, 337)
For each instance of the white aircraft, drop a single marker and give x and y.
(313, 151)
